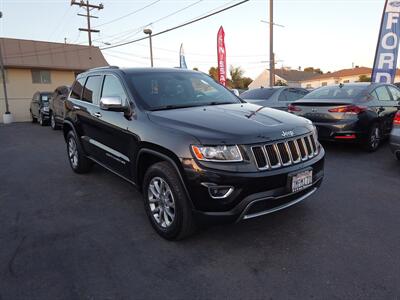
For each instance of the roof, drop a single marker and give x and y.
(46, 55)
(345, 73)
(294, 75)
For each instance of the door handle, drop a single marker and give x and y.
(97, 115)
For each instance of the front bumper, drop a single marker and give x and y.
(254, 193)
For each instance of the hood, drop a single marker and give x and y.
(231, 123)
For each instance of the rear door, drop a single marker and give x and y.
(111, 137)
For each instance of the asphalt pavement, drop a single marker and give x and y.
(68, 236)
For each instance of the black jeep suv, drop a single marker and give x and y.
(199, 154)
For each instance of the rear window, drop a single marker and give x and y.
(338, 92)
(258, 94)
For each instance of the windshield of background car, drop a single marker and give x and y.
(258, 94)
(337, 92)
(179, 89)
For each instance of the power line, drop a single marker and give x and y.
(179, 26)
(128, 34)
(130, 14)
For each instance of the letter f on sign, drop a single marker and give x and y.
(392, 19)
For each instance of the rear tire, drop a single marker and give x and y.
(374, 138)
(77, 158)
(166, 203)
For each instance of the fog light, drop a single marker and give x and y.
(218, 191)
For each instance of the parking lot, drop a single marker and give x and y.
(68, 236)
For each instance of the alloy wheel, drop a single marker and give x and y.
(161, 202)
(375, 138)
(73, 153)
(40, 119)
(52, 121)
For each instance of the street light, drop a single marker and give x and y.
(7, 116)
(149, 32)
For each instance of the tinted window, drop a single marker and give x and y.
(395, 93)
(77, 88)
(338, 92)
(112, 87)
(292, 95)
(258, 94)
(91, 91)
(383, 94)
(164, 90)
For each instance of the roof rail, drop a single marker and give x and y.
(105, 67)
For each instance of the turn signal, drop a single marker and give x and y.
(293, 108)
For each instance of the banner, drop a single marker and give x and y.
(221, 56)
(182, 60)
(385, 63)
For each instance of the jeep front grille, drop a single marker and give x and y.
(285, 153)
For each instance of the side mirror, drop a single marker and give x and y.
(113, 103)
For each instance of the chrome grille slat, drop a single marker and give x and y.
(285, 153)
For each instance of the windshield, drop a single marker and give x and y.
(337, 92)
(258, 94)
(168, 90)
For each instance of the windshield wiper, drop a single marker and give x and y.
(172, 106)
(218, 103)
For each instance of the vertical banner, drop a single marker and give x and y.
(385, 63)
(182, 60)
(221, 56)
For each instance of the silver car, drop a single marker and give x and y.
(276, 97)
(395, 136)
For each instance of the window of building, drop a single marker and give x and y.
(91, 91)
(41, 76)
(346, 81)
(76, 91)
(324, 84)
(309, 86)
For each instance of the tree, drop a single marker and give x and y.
(213, 72)
(280, 83)
(364, 78)
(312, 70)
(237, 79)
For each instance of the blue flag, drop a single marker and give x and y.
(182, 61)
(385, 64)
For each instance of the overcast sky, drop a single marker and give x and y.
(329, 34)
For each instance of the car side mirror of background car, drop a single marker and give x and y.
(113, 103)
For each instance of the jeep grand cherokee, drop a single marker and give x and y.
(198, 153)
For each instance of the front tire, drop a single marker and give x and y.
(166, 203)
(34, 120)
(41, 120)
(374, 138)
(77, 159)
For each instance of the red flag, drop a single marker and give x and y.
(221, 56)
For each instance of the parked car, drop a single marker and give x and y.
(56, 107)
(359, 112)
(39, 108)
(197, 152)
(276, 97)
(395, 136)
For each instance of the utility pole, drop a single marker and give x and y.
(271, 45)
(89, 7)
(7, 116)
(149, 32)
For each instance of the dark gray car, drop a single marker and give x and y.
(395, 136)
(277, 97)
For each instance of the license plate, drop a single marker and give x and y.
(302, 180)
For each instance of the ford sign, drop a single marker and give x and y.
(395, 3)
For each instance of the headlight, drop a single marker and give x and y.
(218, 153)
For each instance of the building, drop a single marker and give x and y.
(292, 78)
(33, 66)
(341, 76)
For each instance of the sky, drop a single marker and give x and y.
(326, 34)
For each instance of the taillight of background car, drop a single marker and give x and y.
(396, 121)
(350, 109)
(293, 108)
